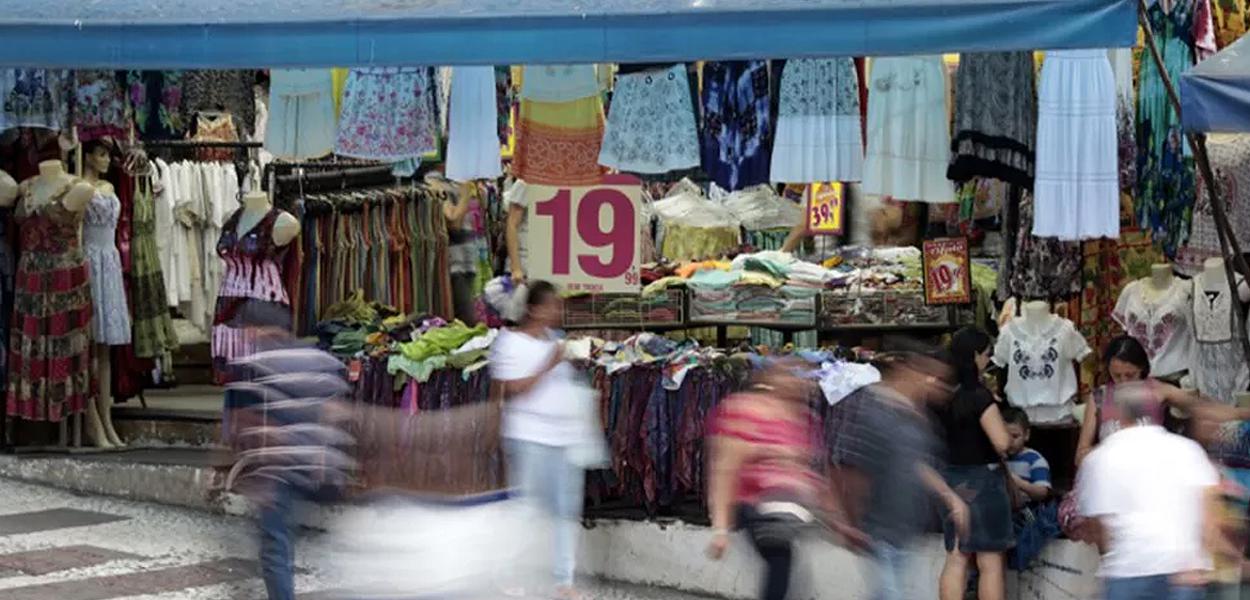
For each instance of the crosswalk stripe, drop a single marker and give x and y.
(52, 560)
(49, 520)
(156, 581)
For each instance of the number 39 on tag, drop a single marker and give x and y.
(585, 238)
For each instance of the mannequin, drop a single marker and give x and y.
(96, 163)
(1156, 311)
(1035, 314)
(49, 209)
(1214, 278)
(1161, 277)
(255, 206)
(1217, 367)
(8, 190)
(1038, 349)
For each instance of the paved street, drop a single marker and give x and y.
(59, 546)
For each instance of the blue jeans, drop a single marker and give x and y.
(889, 565)
(277, 544)
(552, 484)
(1157, 587)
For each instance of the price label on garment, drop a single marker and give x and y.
(586, 238)
(947, 271)
(824, 208)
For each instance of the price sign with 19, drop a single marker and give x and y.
(585, 238)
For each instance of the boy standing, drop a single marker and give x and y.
(1029, 470)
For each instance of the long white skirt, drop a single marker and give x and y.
(472, 136)
(908, 131)
(819, 132)
(1076, 190)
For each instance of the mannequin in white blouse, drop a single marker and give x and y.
(1213, 278)
(255, 206)
(1160, 279)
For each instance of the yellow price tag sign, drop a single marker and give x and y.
(825, 202)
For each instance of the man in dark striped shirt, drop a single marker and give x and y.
(288, 431)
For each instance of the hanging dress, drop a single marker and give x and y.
(1165, 165)
(37, 98)
(737, 123)
(252, 292)
(1230, 157)
(6, 295)
(228, 91)
(908, 134)
(99, 108)
(560, 126)
(651, 125)
(215, 127)
(473, 127)
(301, 122)
(1220, 369)
(156, 104)
(50, 341)
(388, 114)
(820, 137)
(995, 118)
(104, 265)
(153, 329)
(1076, 192)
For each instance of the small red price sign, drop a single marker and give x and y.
(824, 209)
(586, 238)
(947, 271)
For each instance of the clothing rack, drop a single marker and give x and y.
(199, 144)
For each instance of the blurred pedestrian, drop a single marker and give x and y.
(544, 426)
(976, 442)
(884, 453)
(291, 442)
(1150, 498)
(761, 475)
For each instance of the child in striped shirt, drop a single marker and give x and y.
(1029, 469)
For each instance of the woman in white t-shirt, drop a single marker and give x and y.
(542, 424)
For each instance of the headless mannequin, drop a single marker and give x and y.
(255, 206)
(1036, 315)
(8, 190)
(1213, 279)
(100, 418)
(1161, 279)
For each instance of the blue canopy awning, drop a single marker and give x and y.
(307, 33)
(1215, 94)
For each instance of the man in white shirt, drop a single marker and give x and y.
(1151, 495)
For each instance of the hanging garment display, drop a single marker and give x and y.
(6, 294)
(1231, 19)
(110, 314)
(202, 196)
(224, 91)
(34, 98)
(1034, 267)
(1038, 357)
(559, 132)
(1161, 320)
(820, 137)
(1230, 160)
(1219, 367)
(301, 123)
(388, 114)
(473, 128)
(252, 294)
(215, 127)
(505, 103)
(995, 118)
(651, 124)
(1125, 119)
(153, 329)
(1076, 193)
(737, 123)
(156, 103)
(1165, 165)
(99, 106)
(50, 342)
(908, 132)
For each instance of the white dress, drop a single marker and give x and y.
(908, 131)
(472, 131)
(1076, 190)
(819, 132)
(1219, 367)
(651, 124)
(301, 122)
(1161, 321)
(111, 315)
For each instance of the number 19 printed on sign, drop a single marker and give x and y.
(586, 238)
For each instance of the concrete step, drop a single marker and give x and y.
(188, 415)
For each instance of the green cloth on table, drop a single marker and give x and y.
(440, 341)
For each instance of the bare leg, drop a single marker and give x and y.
(95, 427)
(991, 584)
(104, 401)
(954, 578)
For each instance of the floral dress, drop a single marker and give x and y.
(388, 114)
(651, 125)
(156, 104)
(252, 293)
(104, 263)
(50, 344)
(99, 105)
(153, 329)
(737, 127)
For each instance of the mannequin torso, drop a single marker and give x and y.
(51, 181)
(1161, 279)
(1035, 315)
(1213, 279)
(255, 206)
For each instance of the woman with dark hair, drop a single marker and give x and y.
(976, 440)
(1127, 364)
(542, 424)
(761, 476)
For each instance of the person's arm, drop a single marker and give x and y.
(516, 214)
(455, 212)
(797, 234)
(517, 387)
(1192, 402)
(954, 504)
(995, 429)
(725, 457)
(1089, 430)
